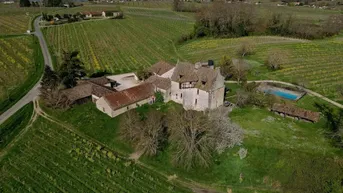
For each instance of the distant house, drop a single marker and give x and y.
(113, 14)
(295, 112)
(105, 14)
(89, 14)
(8, 2)
(117, 103)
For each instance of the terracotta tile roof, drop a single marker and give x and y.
(184, 72)
(78, 92)
(100, 80)
(296, 112)
(100, 91)
(86, 88)
(129, 96)
(159, 82)
(205, 77)
(160, 67)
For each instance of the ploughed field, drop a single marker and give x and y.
(50, 158)
(123, 45)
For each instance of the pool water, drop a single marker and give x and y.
(283, 94)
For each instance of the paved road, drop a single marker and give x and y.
(299, 87)
(34, 92)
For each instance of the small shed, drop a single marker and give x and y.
(295, 112)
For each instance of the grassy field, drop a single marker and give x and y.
(107, 127)
(50, 158)
(271, 142)
(21, 64)
(125, 45)
(12, 126)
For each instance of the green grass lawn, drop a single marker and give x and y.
(16, 123)
(276, 148)
(89, 120)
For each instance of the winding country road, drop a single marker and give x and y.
(295, 86)
(34, 92)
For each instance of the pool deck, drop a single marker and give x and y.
(268, 88)
(308, 91)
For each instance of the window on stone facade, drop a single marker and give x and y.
(127, 107)
(196, 101)
(103, 109)
(181, 95)
(176, 96)
(198, 92)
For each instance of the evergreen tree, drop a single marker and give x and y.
(71, 70)
(24, 3)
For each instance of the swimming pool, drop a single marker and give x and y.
(283, 94)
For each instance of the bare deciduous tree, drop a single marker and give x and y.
(146, 135)
(130, 126)
(195, 136)
(153, 134)
(246, 48)
(189, 137)
(226, 66)
(224, 133)
(54, 98)
(276, 58)
(240, 70)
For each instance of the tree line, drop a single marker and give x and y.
(70, 71)
(238, 19)
(45, 3)
(194, 137)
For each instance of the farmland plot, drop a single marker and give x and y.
(120, 45)
(14, 20)
(316, 64)
(20, 66)
(50, 158)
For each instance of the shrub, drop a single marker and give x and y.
(242, 153)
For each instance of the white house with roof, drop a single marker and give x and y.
(195, 86)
